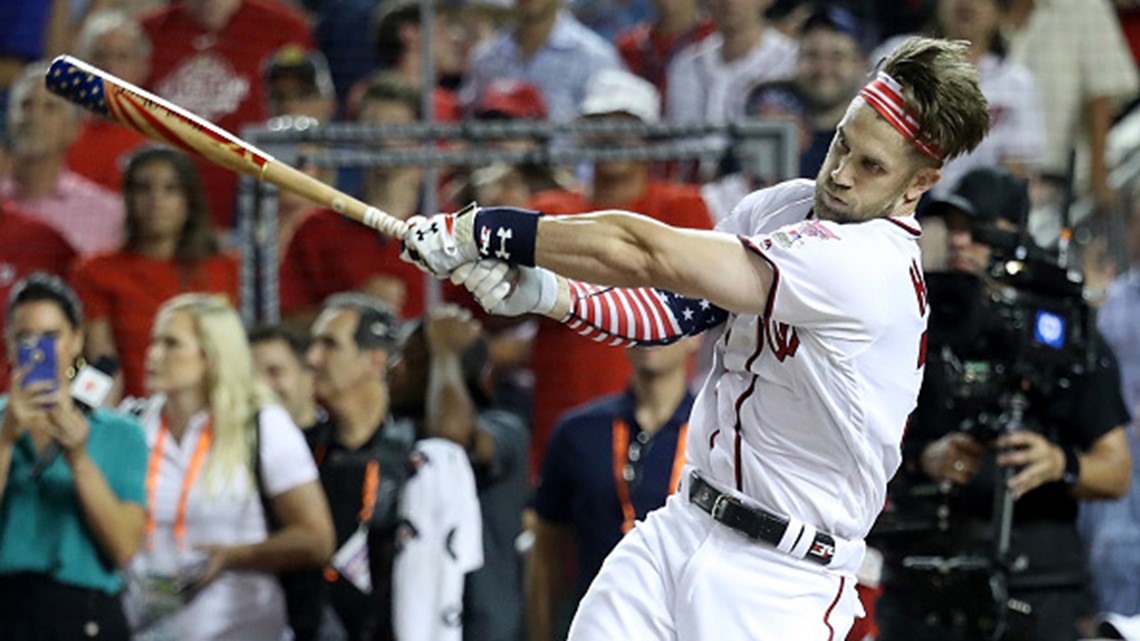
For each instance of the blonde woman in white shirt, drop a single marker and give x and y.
(207, 566)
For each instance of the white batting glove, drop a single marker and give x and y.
(508, 290)
(440, 243)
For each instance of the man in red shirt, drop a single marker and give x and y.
(568, 370)
(26, 246)
(330, 254)
(207, 57)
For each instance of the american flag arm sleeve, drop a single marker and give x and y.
(638, 316)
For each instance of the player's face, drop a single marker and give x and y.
(870, 170)
(157, 201)
(291, 379)
(175, 361)
(339, 365)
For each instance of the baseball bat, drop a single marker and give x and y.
(138, 109)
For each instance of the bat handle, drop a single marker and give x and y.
(384, 223)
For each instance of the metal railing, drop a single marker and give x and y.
(763, 147)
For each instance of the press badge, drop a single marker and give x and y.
(351, 560)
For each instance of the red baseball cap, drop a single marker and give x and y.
(511, 98)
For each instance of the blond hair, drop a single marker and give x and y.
(234, 392)
(940, 87)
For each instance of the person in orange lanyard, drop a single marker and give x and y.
(209, 555)
(610, 462)
(404, 504)
(68, 520)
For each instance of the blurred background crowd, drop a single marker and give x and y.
(458, 476)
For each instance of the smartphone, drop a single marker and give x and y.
(38, 356)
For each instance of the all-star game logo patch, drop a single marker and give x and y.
(793, 236)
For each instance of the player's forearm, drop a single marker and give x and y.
(116, 525)
(629, 250)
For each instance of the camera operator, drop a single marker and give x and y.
(1013, 420)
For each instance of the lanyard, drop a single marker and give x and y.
(371, 482)
(367, 505)
(624, 473)
(200, 450)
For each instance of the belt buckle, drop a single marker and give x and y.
(721, 504)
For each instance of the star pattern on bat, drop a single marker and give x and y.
(77, 85)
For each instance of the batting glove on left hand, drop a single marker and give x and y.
(440, 243)
(508, 290)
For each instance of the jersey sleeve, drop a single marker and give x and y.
(822, 274)
(286, 461)
(440, 509)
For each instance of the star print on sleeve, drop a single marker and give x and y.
(638, 316)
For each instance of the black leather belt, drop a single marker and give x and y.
(754, 522)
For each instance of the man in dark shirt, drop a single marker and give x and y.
(1054, 427)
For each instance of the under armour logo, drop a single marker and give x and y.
(504, 235)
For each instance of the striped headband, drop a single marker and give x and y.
(885, 95)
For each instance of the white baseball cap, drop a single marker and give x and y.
(614, 91)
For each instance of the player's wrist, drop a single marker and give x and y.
(506, 233)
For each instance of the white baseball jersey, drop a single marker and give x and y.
(443, 541)
(803, 413)
(805, 406)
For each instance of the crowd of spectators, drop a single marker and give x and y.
(497, 441)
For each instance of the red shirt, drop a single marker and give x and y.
(26, 246)
(570, 370)
(127, 289)
(217, 75)
(330, 254)
(101, 151)
(647, 52)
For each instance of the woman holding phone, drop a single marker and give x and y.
(209, 559)
(71, 483)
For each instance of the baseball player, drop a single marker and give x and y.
(819, 296)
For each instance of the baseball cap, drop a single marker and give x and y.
(985, 194)
(613, 91)
(294, 60)
(510, 98)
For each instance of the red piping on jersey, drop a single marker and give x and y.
(915, 231)
(736, 441)
(830, 608)
(767, 315)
